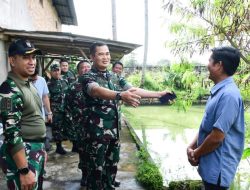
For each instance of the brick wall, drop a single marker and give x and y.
(44, 15)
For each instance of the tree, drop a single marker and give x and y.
(206, 23)
(145, 43)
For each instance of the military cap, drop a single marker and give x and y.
(54, 67)
(22, 47)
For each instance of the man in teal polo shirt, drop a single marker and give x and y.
(218, 147)
(22, 156)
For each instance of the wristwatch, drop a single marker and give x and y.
(49, 113)
(23, 171)
(118, 96)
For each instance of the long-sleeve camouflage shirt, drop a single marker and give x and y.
(75, 110)
(103, 114)
(69, 76)
(57, 90)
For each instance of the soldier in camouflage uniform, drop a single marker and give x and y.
(101, 89)
(22, 156)
(67, 74)
(117, 68)
(75, 116)
(57, 89)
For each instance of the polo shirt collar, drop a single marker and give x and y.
(220, 85)
(17, 80)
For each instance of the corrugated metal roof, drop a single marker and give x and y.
(66, 11)
(61, 43)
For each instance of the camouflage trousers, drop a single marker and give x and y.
(102, 160)
(83, 155)
(35, 155)
(83, 161)
(58, 127)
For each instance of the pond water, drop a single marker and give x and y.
(170, 153)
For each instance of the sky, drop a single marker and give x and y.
(95, 19)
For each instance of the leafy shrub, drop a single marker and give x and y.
(153, 81)
(149, 176)
(148, 173)
(185, 185)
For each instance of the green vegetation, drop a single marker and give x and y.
(246, 153)
(148, 173)
(176, 121)
(205, 23)
(182, 78)
(185, 185)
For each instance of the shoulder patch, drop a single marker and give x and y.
(6, 104)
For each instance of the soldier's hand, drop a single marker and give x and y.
(130, 98)
(28, 181)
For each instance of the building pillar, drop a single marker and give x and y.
(3, 62)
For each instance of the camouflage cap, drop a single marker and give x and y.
(54, 67)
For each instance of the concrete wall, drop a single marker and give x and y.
(3, 62)
(44, 15)
(30, 15)
(15, 15)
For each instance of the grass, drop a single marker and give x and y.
(160, 117)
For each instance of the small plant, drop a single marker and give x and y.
(186, 185)
(149, 176)
(148, 173)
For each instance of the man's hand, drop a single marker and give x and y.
(191, 157)
(28, 181)
(49, 118)
(130, 98)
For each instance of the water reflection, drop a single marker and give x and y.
(170, 152)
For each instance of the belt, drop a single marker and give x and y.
(40, 140)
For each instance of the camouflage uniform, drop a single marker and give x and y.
(57, 90)
(68, 76)
(76, 113)
(102, 129)
(16, 111)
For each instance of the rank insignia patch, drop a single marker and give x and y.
(6, 104)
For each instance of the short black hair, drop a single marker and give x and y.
(80, 62)
(63, 60)
(230, 58)
(117, 63)
(93, 46)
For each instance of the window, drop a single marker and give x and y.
(41, 2)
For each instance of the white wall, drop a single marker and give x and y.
(14, 14)
(3, 62)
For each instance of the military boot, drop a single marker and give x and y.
(83, 182)
(74, 147)
(60, 149)
(117, 183)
